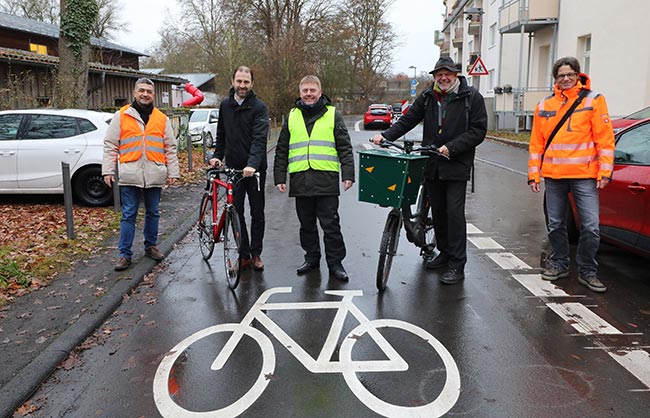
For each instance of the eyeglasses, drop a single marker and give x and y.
(567, 75)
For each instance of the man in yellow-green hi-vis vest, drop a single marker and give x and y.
(314, 149)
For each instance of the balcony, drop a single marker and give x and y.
(474, 25)
(444, 48)
(457, 40)
(438, 38)
(532, 15)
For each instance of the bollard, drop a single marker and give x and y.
(205, 147)
(188, 139)
(67, 200)
(117, 205)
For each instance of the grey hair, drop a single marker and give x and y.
(143, 80)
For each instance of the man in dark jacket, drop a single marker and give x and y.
(242, 133)
(314, 147)
(455, 121)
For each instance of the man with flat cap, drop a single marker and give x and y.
(455, 121)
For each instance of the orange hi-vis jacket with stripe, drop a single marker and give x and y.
(582, 148)
(133, 140)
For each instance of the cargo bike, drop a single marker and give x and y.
(393, 177)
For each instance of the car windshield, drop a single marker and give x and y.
(199, 116)
(640, 114)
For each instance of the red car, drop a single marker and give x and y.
(625, 203)
(378, 115)
(624, 122)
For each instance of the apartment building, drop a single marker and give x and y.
(518, 41)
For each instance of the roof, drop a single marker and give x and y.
(18, 55)
(197, 79)
(48, 29)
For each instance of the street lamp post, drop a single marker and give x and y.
(414, 72)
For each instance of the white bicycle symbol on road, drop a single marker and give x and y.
(323, 364)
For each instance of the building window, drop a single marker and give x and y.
(493, 34)
(39, 49)
(584, 51)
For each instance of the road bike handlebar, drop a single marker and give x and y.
(231, 173)
(409, 147)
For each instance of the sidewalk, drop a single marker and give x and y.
(39, 330)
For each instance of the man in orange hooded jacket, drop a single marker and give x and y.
(580, 160)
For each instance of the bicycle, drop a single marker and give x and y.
(418, 225)
(322, 364)
(224, 226)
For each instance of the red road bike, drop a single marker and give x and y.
(219, 221)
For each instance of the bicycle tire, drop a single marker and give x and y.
(419, 225)
(388, 247)
(231, 247)
(166, 405)
(437, 408)
(206, 227)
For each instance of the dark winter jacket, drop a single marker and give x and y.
(242, 132)
(460, 135)
(315, 182)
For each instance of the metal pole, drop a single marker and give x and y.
(67, 200)
(188, 140)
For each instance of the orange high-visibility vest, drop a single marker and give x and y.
(133, 140)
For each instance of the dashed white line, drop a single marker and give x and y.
(539, 287)
(582, 319)
(472, 229)
(636, 362)
(485, 243)
(508, 261)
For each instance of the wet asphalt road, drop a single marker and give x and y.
(518, 350)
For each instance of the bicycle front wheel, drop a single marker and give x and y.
(388, 247)
(231, 246)
(206, 227)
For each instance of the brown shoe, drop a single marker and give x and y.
(123, 263)
(245, 263)
(154, 253)
(258, 264)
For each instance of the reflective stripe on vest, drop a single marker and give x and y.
(133, 139)
(316, 151)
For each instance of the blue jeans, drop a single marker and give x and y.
(130, 196)
(585, 195)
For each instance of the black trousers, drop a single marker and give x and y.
(326, 210)
(248, 186)
(447, 199)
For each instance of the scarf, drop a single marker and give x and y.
(442, 98)
(144, 111)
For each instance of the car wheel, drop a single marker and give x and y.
(209, 141)
(365, 127)
(89, 189)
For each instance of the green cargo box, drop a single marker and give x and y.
(389, 179)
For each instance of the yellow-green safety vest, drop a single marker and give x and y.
(316, 151)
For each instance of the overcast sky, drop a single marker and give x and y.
(414, 20)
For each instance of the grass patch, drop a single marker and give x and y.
(519, 137)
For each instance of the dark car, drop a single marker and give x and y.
(378, 115)
(625, 203)
(397, 108)
(625, 121)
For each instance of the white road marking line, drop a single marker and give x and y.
(539, 287)
(636, 362)
(472, 229)
(367, 146)
(582, 319)
(508, 261)
(485, 243)
(356, 126)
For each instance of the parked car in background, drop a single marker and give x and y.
(631, 119)
(378, 115)
(203, 124)
(397, 108)
(625, 203)
(34, 143)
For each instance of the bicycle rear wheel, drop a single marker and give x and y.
(388, 247)
(206, 227)
(231, 245)
(425, 221)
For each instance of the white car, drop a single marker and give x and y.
(34, 143)
(203, 123)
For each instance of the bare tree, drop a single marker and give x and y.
(108, 20)
(41, 10)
